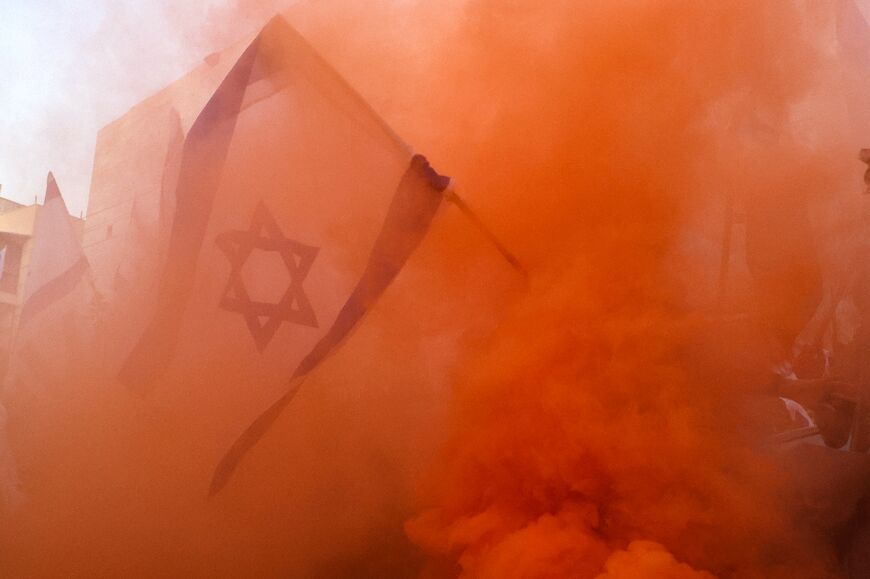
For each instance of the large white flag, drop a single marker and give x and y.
(295, 207)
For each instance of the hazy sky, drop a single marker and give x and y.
(68, 67)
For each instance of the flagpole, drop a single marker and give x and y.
(451, 196)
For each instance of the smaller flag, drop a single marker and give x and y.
(57, 262)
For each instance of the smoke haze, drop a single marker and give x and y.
(589, 423)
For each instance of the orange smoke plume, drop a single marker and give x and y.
(602, 432)
(597, 425)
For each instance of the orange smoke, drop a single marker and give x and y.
(597, 426)
(594, 436)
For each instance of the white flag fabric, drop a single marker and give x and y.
(295, 207)
(48, 339)
(57, 261)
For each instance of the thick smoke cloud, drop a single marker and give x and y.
(604, 431)
(591, 421)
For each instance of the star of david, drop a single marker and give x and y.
(263, 319)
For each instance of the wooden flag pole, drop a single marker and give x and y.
(452, 197)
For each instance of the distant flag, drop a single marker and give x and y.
(42, 346)
(57, 261)
(295, 208)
